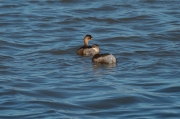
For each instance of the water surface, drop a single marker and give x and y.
(41, 76)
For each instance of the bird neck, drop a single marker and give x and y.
(86, 42)
(96, 50)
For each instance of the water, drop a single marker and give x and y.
(42, 77)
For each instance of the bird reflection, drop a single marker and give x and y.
(101, 65)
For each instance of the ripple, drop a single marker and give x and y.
(172, 89)
(9, 6)
(3, 57)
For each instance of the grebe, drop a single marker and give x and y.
(86, 50)
(102, 58)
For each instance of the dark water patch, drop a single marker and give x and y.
(55, 52)
(6, 73)
(173, 13)
(122, 5)
(146, 84)
(116, 102)
(55, 105)
(26, 115)
(49, 18)
(69, 1)
(3, 57)
(165, 53)
(69, 29)
(122, 39)
(45, 25)
(21, 84)
(168, 115)
(39, 3)
(104, 30)
(141, 18)
(9, 92)
(50, 93)
(5, 24)
(13, 19)
(61, 52)
(104, 8)
(4, 67)
(171, 89)
(102, 20)
(149, 1)
(9, 6)
(17, 44)
(69, 21)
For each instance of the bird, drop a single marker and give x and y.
(86, 50)
(105, 58)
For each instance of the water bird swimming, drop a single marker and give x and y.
(102, 58)
(86, 50)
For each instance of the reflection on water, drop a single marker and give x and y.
(103, 65)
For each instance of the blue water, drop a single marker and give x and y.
(42, 77)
